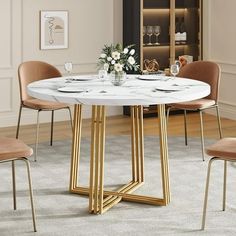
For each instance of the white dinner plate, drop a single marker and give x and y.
(171, 88)
(151, 77)
(82, 78)
(70, 90)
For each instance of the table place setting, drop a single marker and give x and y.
(47, 84)
(168, 89)
(81, 78)
(68, 89)
(114, 85)
(153, 77)
(89, 87)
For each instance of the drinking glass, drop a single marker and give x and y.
(156, 31)
(150, 33)
(68, 66)
(102, 75)
(174, 69)
(144, 33)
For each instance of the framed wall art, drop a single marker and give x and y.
(53, 29)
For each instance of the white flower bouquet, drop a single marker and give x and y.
(115, 58)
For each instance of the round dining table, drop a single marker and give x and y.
(136, 92)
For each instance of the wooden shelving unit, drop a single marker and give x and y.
(140, 13)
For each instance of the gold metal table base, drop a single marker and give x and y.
(101, 200)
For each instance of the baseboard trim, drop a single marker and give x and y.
(30, 116)
(227, 110)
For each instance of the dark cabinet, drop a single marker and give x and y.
(163, 30)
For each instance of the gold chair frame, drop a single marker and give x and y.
(207, 187)
(201, 125)
(29, 182)
(37, 125)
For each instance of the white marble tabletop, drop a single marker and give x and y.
(86, 89)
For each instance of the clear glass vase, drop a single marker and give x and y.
(118, 78)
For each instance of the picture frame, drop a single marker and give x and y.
(53, 30)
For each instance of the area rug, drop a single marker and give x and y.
(61, 213)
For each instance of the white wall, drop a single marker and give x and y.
(91, 25)
(219, 46)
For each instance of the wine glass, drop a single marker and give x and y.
(102, 74)
(150, 33)
(156, 31)
(144, 32)
(174, 69)
(68, 66)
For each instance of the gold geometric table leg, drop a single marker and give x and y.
(97, 159)
(137, 144)
(75, 154)
(101, 200)
(164, 153)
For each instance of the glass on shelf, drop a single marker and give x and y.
(144, 33)
(156, 31)
(150, 33)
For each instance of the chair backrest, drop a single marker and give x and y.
(206, 71)
(31, 71)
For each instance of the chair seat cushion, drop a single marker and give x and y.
(38, 104)
(13, 148)
(194, 105)
(224, 148)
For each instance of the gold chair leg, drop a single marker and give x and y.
(219, 122)
(29, 182)
(31, 193)
(75, 154)
(164, 154)
(71, 120)
(168, 114)
(224, 185)
(13, 184)
(52, 126)
(185, 128)
(18, 123)
(202, 135)
(37, 137)
(206, 193)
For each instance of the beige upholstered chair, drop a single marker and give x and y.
(224, 149)
(10, 151)
(208, 72)
(29, 72)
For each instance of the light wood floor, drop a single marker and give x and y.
(121, 125)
